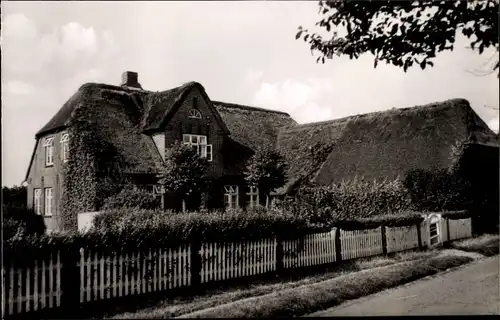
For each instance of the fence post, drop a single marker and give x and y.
(338, 246)
(279, 255)
(195, 263)
(70, 280)
(419, 235)
(447, 229)
(384, 239)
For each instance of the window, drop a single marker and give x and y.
(198, 142)
(231, 197)
(158, 191)
(49, 201)
(37, 200)
(253, 194)
(48, 144)
(194, 114)
(65, 147)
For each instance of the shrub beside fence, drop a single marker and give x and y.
(113, 274)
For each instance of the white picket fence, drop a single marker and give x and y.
(313, 249)
(460, 229)
(223, 261)
(401, 238)
(361, 243)
(117, 275)
(32, 288)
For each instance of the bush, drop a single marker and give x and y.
(433, 191)
(348, 201)
(131, 197)
(19, 222)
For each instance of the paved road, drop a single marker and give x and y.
(471, 290)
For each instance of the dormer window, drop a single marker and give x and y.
(65, 147)
(48, 144)
(194, 114)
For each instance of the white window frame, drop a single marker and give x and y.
(253, 194)
(194, 114)
(231, 197)
(37, 200)
(48, 144)
(65, 147)
(49, 201)
(203, 149)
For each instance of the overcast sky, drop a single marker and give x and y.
(241, 52)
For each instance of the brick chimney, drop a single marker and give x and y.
(130, 79)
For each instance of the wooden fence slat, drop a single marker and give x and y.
(43, 287)
(144, 273)
(102, 282)
(82, 275)
(19, 274)
(28, 291)
(133, 273)
(126, 274)
(35, 289)
(58, 279)
(107, 282)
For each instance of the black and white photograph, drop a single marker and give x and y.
(250, 159)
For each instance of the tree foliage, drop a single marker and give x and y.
(184, 172)
(20, 222)
(266, 169)
(402, 33)
(15, 196)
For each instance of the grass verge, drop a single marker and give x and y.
(322, 295)
(487, 244)
(174, 307)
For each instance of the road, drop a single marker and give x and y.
(470, 290)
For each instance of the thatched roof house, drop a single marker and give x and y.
(139, 125)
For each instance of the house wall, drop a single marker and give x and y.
(181, 124)
(41, 176)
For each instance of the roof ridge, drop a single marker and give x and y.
(111, 87)
(244, 107)
(436, 104)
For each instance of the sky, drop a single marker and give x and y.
(241, 52)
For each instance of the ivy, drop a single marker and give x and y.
(94, 170)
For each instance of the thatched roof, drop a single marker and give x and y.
(118, 116)
(160, 106)
(250, 128)
(128, 115)
(381, 145)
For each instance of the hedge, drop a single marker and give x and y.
(456, 215)
(130, 197)
(350, 200)
(131, 229)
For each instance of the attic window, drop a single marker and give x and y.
(194, 114)
(48, 144)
